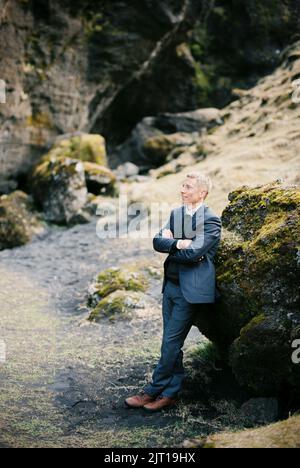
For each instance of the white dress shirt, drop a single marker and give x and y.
(190, 211)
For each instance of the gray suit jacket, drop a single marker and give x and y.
(196, 268)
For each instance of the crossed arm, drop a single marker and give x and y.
(164, 242)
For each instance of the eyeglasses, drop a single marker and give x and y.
(188, 187)
(192, 188)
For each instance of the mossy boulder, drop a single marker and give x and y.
(101, 205)
(100, 179)
(114, 279)
(283, 434)
(63, 177)
(258, 277)
(186, 159)
(259, 212)
(84, 146)
(18, 221)
(59, 188)
(117, 305)
(261, 355)
(157, 140)
(157, 148)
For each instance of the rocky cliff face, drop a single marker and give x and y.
(235, 43)
(87, 66)
(100, 67)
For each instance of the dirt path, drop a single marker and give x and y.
(65, 379)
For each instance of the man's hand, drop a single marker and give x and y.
(184, 244)
(181, 244)
(167, 234)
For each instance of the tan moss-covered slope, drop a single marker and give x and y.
(284, 434)
(258, 143)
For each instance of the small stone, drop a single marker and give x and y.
(126, 170)
(260, 411)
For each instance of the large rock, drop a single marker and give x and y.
(18, 221)
(82, 146)
(258, 277)
(132, 149)
(75, 164)
(259, 411)
(154, 138)
(158, 148)
(116, 293)
(188, 122)
(100, 179)
(114, 279)
(59, 188)
(117, 305)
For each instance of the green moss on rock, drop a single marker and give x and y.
(18, 222)
(114, 279)
(249, 207)
(40, 120)
(260, 357)
(258, 320)
(84, 147)
(257, 269)
(117, 305)
(61, 180)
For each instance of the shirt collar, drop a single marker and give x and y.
(190, 211)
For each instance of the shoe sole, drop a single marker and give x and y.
(132, 407)
(164, 408)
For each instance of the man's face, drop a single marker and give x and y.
(191, 193)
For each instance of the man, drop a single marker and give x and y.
(191, 239)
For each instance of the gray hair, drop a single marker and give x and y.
(203, 180)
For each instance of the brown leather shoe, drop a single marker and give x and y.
(138, 401)
(160, 403)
